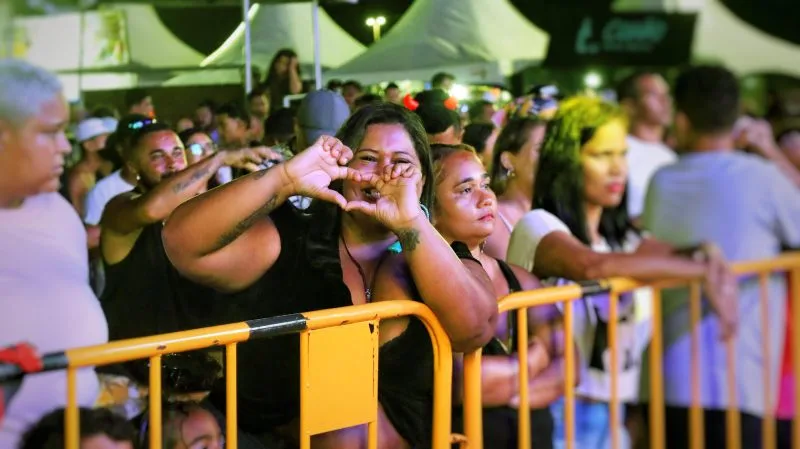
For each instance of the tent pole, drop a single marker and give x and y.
(248, 54)
(81, 51)
(6, 29)
(317, 60)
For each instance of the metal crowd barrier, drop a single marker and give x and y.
(326, 338)
(520, 302)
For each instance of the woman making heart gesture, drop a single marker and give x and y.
(244, 237)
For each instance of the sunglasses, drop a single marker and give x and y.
(199, 149)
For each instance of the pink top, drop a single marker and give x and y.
(45, 300)
(785, 409)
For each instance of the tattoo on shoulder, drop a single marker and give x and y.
(248, 222)
(408, 238)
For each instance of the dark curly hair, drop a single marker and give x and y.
(49, 432)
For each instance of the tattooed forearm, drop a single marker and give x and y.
(408, 238)
(260, 174)
(196, 176)
(247, 223)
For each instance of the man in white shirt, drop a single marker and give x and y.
(748, 205)
(646, 100)
(45, 298)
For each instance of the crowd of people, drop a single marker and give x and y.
(254, 210)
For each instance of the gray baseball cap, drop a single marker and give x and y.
(321, 112)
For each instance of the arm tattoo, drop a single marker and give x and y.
(198, 175)
(408, 238)
(260, 174)
(247, 223)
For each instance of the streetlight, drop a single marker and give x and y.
(592, 80)
(376, 23)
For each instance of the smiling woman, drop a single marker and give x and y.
(366, 200)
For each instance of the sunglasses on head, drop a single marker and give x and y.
(139, 124)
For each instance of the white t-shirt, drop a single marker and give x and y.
(591, 315)
(97, 198)
(45, 300)
(644, 158)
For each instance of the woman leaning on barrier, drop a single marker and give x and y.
(465, 209)
(579, 230)
(244, 235)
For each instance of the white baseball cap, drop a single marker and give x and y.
(90, 128)
(110, 124)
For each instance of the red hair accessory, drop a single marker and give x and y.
(451, 103)
(410, 103)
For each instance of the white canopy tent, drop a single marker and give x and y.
(272, 27)
(478, 41)
(152, 44)
(722, 37)
(114, 48)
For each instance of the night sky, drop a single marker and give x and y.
(206, 28)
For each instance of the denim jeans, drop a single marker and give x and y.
(592, 426)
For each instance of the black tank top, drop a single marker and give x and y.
(308, 276)
(145, 295)
(500, 423)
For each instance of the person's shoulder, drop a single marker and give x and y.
(109, 183)
(539, 222)
(51, 202)
(526, 279)
(636, 144)
(665, 173)
(56, 208)
(758, 164)
(757, 170)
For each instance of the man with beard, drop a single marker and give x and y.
(144, 295)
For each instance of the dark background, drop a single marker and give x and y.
(206, 28)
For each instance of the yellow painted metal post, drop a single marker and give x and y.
(794, 285)
(613, 319)
(372, 426)
(305, 443)
(696, 428)
(657, 434)
(155, 402)
(733, 426)
(72, 413)
(524, 411)
(231, 410)
(569, 376)
(473, 401)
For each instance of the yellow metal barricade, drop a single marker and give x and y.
(322, 335)
(520, 302)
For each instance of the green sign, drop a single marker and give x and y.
(623, 39)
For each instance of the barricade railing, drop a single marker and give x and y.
(565, 295)
(327, 337)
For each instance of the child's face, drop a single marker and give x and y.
(102, 441)
(200, 431)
